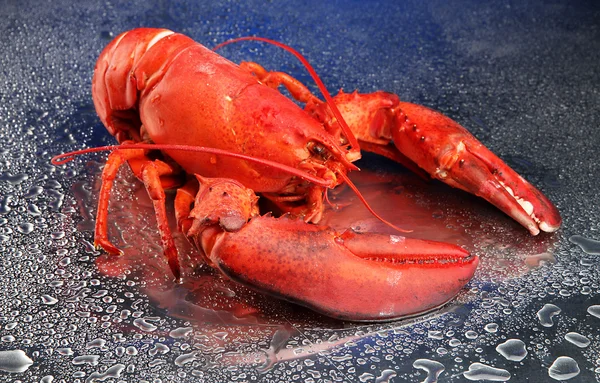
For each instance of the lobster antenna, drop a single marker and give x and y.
(62, 159)
(334, 109)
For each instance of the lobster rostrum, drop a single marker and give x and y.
(219, 133)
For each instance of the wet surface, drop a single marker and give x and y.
(522, 77)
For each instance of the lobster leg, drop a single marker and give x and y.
(150, 172)
(274, 79)
(113, 163)
(347, 276)
(445, 150)
(184, 200)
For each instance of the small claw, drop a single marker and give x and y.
(359, 277)
(448, 152)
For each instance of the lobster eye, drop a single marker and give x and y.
(318, 149)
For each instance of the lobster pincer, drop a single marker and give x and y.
(445, 150)
(361, 277)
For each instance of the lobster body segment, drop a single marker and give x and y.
(159, 88)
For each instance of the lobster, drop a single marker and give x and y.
(221, 134)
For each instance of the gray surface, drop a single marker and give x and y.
(523, 77)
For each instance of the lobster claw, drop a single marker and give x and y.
(340, 275)
(359, 277)
(413, 134)
(448, 152)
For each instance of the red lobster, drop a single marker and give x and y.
(185, 118)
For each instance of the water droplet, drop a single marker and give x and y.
(131, 350)
(65, 351)
(7, 338)
(86, 359)
(491, 327)
(433, 369)
(111, 372)
(183, 359)
(577, 339)
(159, 348)
(49, 300)
(25, 228)
(47, 379)
(564, 368)
(385, 376)
(34, 191)
(65, 261)
(589, 246)
(364, 377)
(14, 180)
(100, 293)
(512, 349)
(57, 201)
(546, 314)
(180, 332)
(143, 325)
(99, 342)
(5, 202)
(14, 361)
(480, 371)
(54, 184)
(594, 310)
(10, 325)
(33, 210)
(471, 334)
